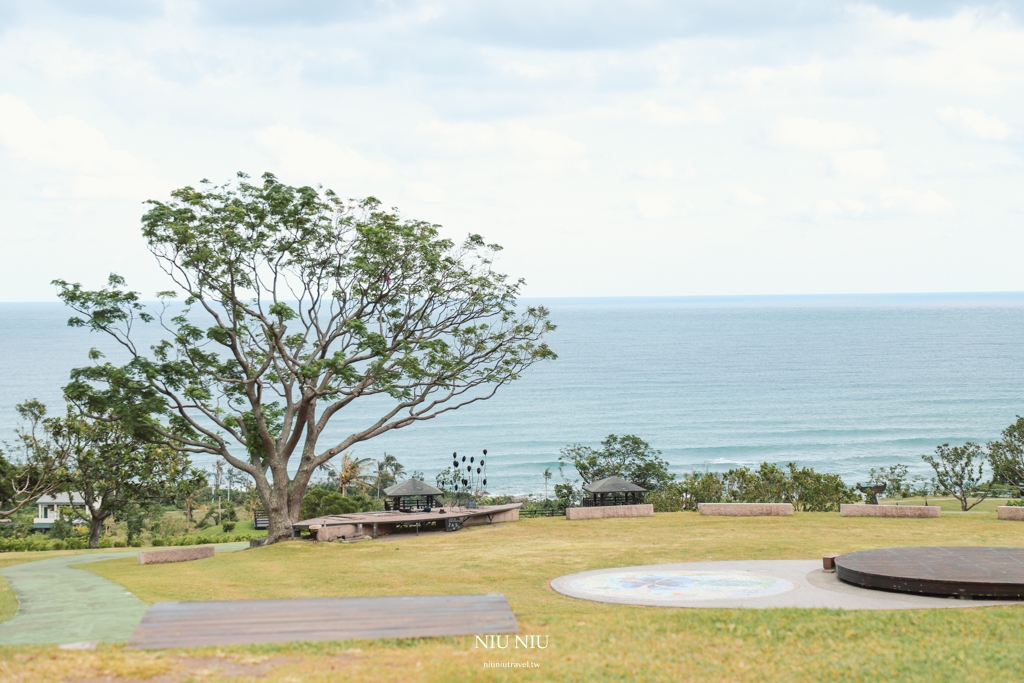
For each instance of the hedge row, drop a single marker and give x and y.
(40, 542)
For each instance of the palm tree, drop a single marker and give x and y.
(388, 472)
(353, 472)
(547, 477)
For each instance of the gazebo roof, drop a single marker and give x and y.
(413, 487)
(613, 485)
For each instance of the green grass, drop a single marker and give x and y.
(8, 603)
(243, 526)
(588, 641)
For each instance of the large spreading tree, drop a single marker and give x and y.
(297, 306)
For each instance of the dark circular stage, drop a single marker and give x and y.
(967, 572)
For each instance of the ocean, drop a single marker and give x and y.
(837, 383)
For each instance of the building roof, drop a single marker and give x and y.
(413, 487)
(612, 485)
(61, 499)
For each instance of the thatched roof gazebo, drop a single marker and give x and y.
(411, 494)
(613, 491)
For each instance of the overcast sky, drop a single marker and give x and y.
(613, 148)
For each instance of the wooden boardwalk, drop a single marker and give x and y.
(241, 622)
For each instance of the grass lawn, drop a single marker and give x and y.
(588, 641)
(243, 526)
(8, 603)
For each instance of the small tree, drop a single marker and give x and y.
(354, 473)
(389, 470)
(112, 470)
(629, 457)
(547, 478)
(959, 470)
(924, 486)
(299, 305)
(894, 477)
(1007, 456)
(37, 466)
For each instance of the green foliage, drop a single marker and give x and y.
(382, 309)
(62, 527)
(36, 466)
(228, 526)
(807, 490)
(134, 518)
(113, 469)
(321, 501)
(388, 473)
(894, 477)
(1015, 503)
(959, 470)
(629, 457)
(1007, 456)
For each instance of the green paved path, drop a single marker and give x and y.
(58, 604)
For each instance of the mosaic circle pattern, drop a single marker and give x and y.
(669, 587)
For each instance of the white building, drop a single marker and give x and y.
(49, 508)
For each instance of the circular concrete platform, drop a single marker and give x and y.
(966, 572)
(758, 584)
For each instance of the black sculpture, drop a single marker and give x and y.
(872, 492)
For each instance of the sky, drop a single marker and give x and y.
(637, 148)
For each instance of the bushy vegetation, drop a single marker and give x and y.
(807, 490)
(195, 539)
(322, 500)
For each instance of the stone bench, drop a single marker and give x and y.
(603, 511)
(1010, 512)
(746, 509)
(855, 510)
(183, 554)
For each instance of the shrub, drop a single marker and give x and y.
(159, 542)
(58, 545)
(1018, 503)
(106, 542)
(228, 526)
(118, 543)
(319, 502)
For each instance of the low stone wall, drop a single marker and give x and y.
(855, 510)
(184, 554)
(496, 518)
(333, 533)
(746, 509)
(603, 511)
(1010, 512)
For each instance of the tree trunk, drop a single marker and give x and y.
(95, 527)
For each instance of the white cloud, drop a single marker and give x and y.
(866, 164)
(745, 197)
(514, 144)
(820, 136)
(316, 158)
(659, 206)
(927, 202)
(80, 154)
(842, 207)
(666, 169)
(669, 115)
(975, 123)
(761, 77)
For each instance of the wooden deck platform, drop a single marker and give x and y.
(332, 527)
(242, 622)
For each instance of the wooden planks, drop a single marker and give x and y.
(970, 572)
(241, 622)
